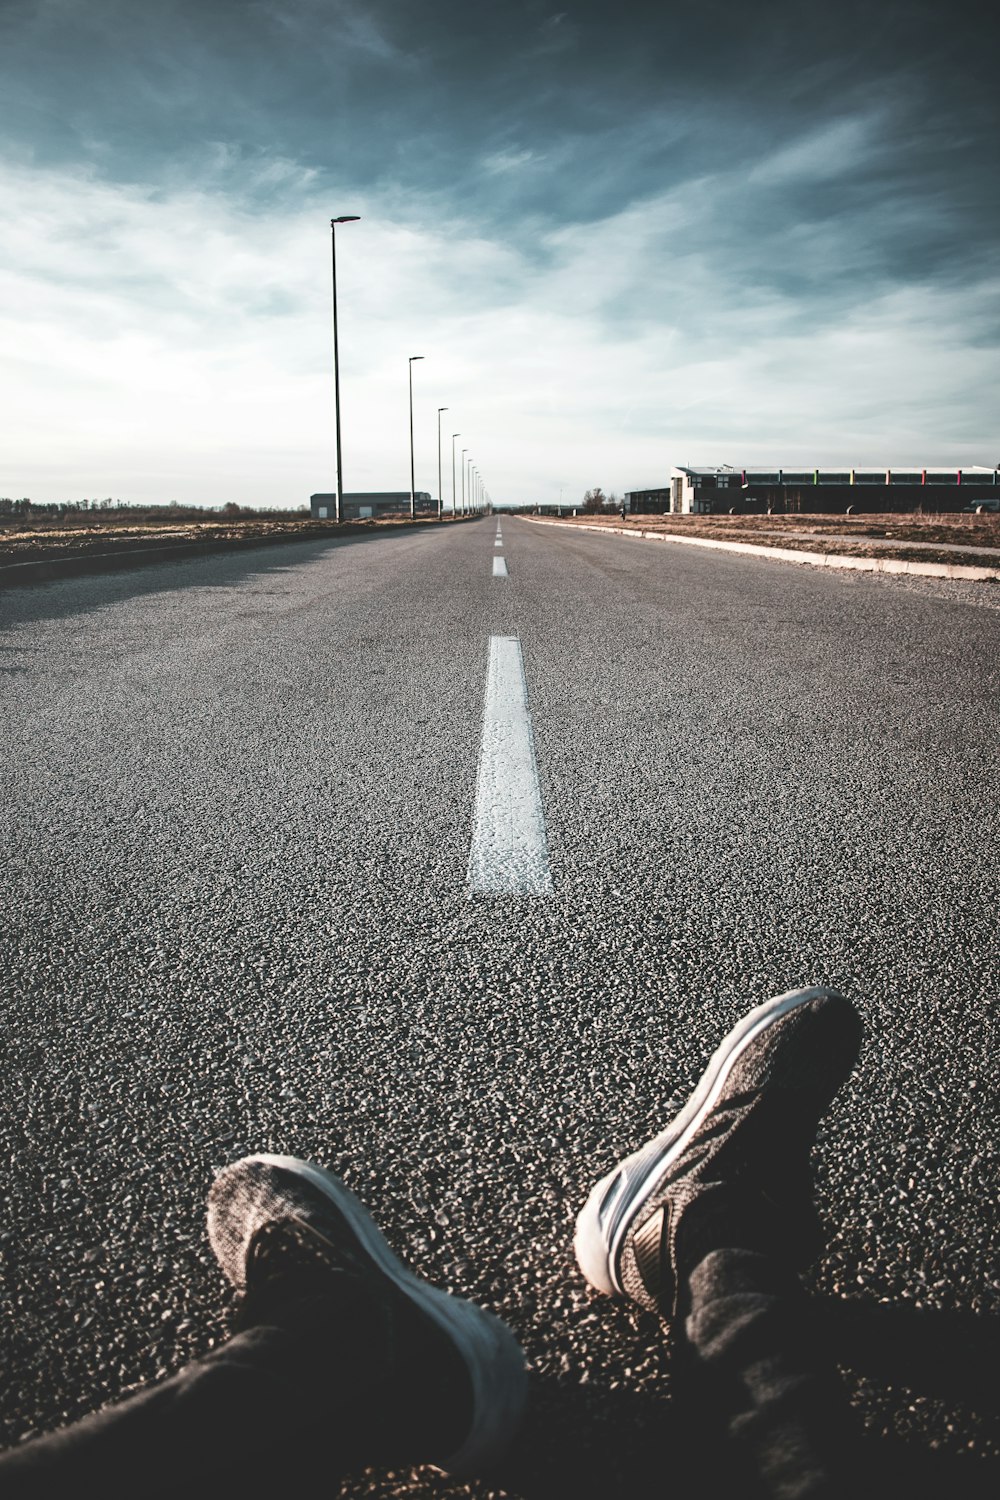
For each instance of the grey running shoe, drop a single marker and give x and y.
(272, 1220)
(740, 1146)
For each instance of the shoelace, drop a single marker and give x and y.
(290, 1263)
(293, 1245)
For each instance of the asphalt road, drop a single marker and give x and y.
(238, 797)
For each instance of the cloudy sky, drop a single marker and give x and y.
(622, 237)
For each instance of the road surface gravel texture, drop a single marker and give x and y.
(238, 802)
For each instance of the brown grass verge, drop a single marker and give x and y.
(849, 535)
(28, 542)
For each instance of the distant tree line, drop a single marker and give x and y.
(595, 502)
(125, 513)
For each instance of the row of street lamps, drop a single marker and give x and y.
(477, 494)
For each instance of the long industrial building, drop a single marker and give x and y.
(364, 506)
(725, 489)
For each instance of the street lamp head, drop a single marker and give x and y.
(442, 408)
(346, 219)
(415, 356)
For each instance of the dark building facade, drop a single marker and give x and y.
(365, 506)
(646, 502)
(726, 490)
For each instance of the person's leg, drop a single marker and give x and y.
(182, 1435)
(707, 1226)
(344, 1359)
(755, 1357)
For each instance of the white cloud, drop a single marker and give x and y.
(837, 148)
(175, 344)
(508, 161)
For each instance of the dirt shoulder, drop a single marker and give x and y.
(906, 538)
(44, 542)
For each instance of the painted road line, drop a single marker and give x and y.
(498, 542)
(500, 567)
(509, 854)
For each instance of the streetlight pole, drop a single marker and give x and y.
(413, 499)
(453, 437)
(469, 462)
(343, 219)
(464, 452)
(440, 497)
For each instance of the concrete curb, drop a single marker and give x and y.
(41, 569)
(788, 554)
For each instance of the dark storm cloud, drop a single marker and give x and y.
(358, 84)
(532, 115)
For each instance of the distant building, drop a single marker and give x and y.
(725, 489)
(365, 506)
(646, 502)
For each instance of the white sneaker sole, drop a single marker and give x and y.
(615, 1201)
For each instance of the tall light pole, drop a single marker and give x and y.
(464, 452)
(440, 498)
(343, 219)
(469, 462)
(413, 499)
(453, 437)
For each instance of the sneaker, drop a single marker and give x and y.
(278, 1226)
(740, 1146)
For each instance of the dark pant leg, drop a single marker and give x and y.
(270, 1402)
(762, 1374)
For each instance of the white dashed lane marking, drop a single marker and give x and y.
(500, 567)
(509, 853)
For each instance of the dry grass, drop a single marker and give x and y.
(30, 540)
(832, 533)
